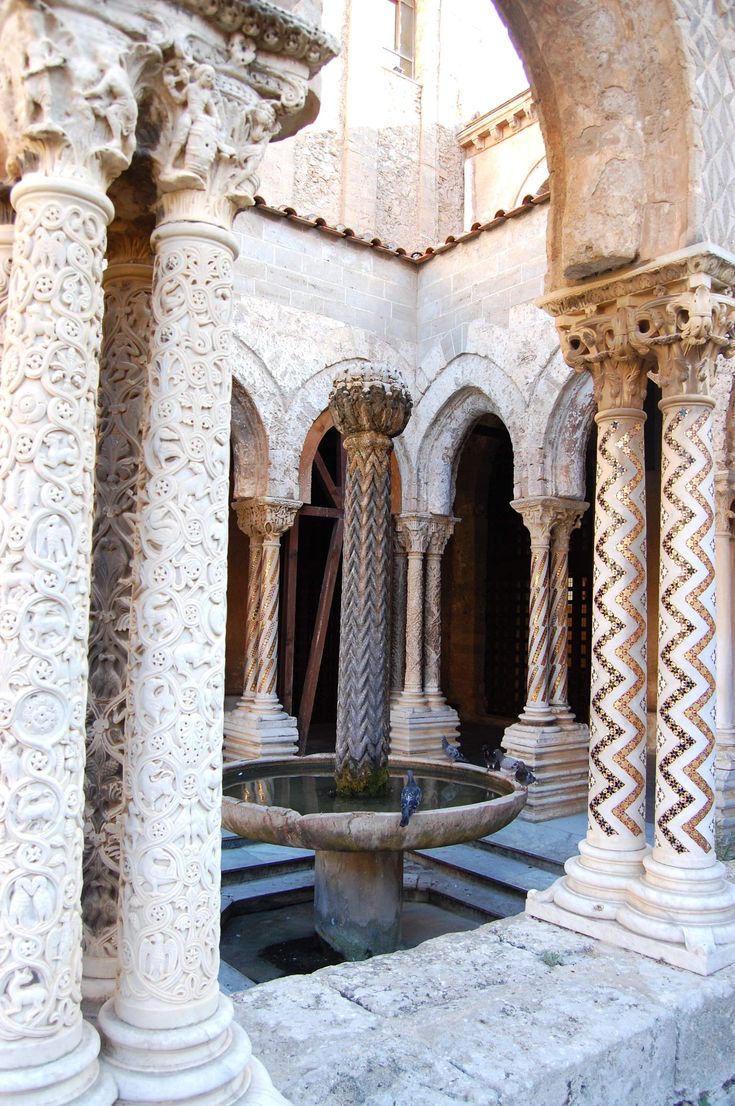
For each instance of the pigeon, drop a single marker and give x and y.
(497, 761)
(453, 753)
(410, 798)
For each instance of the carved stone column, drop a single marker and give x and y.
(259, 728)
(123, 372)
(556, 754)
(568, 519)
(612, 853)
(169, 1034)
(683, 902)
(6, 257)
(725, 707)
(369, 408)
(64, 161)
(398, 613)
(420, 716)
(546, 737)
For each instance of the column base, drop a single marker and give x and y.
(417, 726)
(208, 1063)
(76, 1079)
(357, 901)
(260, 731)
(691, 927)
(559, 758)
(725, 801)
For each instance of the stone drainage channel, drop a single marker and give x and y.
(267, 895)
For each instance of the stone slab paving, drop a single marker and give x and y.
(515, 1013)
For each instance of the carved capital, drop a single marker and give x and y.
(414, 533)
(441, 528)
(686, 332)
(369, 399)
(68, 96)
(602, 345)
(266, 518)
(568, 518)
(540, 516)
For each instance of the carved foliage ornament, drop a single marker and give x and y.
(602, 345)
(686, 333)
(365, 399)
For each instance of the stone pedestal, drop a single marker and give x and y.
(357, 901)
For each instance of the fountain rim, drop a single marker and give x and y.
(283, 825)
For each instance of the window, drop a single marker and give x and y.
(398, 33)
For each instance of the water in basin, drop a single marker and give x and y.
(314, 793)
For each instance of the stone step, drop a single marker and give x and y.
(490, 865)
(261, 892)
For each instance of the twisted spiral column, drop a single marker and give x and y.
(122, 378)
(538, 517)
(568, 519)
(259, 727)
(48, 385)
(368, 408)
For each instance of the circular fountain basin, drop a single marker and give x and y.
(359, 843)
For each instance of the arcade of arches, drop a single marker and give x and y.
(122, 447)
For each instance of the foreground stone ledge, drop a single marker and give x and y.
(515, 1012)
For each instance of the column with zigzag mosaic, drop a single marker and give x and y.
(369, 408)
(683, 900)
(725, 708)
(614, 846)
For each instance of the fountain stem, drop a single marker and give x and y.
(369, 408)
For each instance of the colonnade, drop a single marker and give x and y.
(420, 715)
(157, 594)
(671, 901)
(547, 737)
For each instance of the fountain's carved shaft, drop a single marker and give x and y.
(369, 409)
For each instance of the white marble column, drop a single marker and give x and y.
(168, 1032)
(725, 707)
(683, 907)
(259, 728)
(409, 708)
(123, 372)
(6, 257)
(546, 737)
(64, 163)
(612, 853)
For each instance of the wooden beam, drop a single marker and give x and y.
(316, 650)
(320, 512)
(325, 476)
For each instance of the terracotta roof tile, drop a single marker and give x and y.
(417, 257)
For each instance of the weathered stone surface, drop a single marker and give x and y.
(512, 1013)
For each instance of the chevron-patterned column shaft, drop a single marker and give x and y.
(618, 684)
(362, 710)
(268, 632)
(686, 704)
(255, 562)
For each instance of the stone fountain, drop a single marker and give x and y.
(347, 807)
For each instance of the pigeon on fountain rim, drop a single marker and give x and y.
(452, 752)
(498, 761)
(411, 796)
